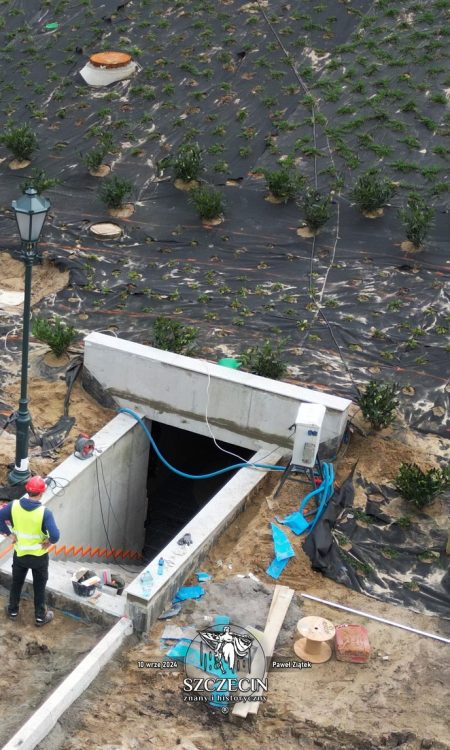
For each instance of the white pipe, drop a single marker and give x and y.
(378, 619)
(44, 719)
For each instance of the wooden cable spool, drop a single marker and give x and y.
(313, 646)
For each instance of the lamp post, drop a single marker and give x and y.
(30, 211)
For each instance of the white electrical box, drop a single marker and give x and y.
(308, 426)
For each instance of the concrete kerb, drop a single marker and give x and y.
(45, 718)
(204, 528)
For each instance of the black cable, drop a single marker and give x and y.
(127, 570)
(311, 290)
(52, 484)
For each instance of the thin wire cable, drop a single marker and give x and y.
(339, 196)
(127, 570)
(211, 432)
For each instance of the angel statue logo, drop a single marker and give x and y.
(225, 664)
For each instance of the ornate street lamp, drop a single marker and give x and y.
(30, 211)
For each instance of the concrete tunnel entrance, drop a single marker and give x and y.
(174, 500)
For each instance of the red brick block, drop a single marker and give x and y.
(352, 643)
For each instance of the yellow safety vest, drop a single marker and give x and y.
(27, 526)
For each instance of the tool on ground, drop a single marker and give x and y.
(186, 539)
(313, 646)
(85, 582)
(84, 446)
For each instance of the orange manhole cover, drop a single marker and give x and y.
(110, 59)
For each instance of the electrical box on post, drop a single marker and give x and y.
(308, 426)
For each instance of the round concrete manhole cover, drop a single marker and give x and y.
(106, 230)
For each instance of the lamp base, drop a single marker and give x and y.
(16, 476)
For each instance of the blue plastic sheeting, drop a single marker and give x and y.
(283, 552)
(276, 567)
(203, 576)
(282, 545)
(189, 592)
(296, 522)
(180, 649)
(221, 620)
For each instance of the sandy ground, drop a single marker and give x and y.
(46, 404)
(47, 280)
(46, 386)
(394, 700)
(35, 660)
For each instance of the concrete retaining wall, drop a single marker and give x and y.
(110, 490)
(205, 528)
(243, 409)
(113, 483)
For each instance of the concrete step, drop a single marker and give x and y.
(60, 582)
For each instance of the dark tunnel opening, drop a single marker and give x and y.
(174, 500)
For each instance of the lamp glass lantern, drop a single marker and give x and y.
(30, 211)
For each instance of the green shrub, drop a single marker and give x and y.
(207, 201)
(55, 333)
(378, 403)
(421, 487)
(371, 191)
(114, 190)
(93, 159)
(39, 180)
(187, 164)
(173, 336)
(264, 360)
(316, 208)
(21, 142)
(284, 183)
(416, 217)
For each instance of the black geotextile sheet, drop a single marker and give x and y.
(386, 550)
(238, 78)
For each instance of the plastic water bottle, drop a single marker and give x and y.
(160, 566)
(146, 579)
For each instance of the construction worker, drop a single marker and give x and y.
(33, 530)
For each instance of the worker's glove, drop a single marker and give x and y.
(186, 539)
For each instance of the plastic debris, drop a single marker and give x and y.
(172, 633)
(296, 522)
(180, 649)
(146, 580)
(172, 612)
(189, 592)
(283, 552)
(203, 576)
(221, 620)
(52, 26)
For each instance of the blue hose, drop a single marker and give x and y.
(325, 491)
(132, 413)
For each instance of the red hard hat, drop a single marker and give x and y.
(35, 485)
